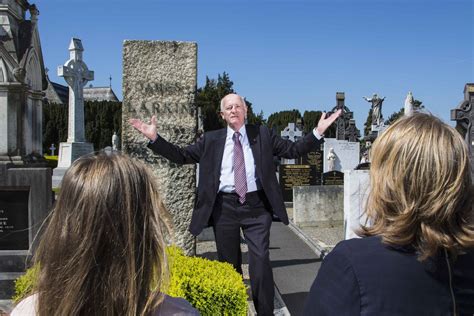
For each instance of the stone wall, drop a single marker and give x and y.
(160, 78)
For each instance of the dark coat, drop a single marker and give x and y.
(208, 152)
(367, 277)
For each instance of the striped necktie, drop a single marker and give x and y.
(240, 177)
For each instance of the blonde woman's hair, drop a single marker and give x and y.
(421, 189)
(103, 248)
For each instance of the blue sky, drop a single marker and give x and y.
(284, 54)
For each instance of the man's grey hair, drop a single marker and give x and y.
(241, 99)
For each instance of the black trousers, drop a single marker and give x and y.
(254, 218)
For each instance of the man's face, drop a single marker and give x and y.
(234, 111)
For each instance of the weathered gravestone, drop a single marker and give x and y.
(356, 191)
(347, 154)
(159, 78)
(464, 116)
(333, 178)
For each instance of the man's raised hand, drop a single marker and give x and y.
(325, 122)
(148, 130)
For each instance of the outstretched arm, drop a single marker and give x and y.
(290, 150)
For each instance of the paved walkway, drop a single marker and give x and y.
(295, 266)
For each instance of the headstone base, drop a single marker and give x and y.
(69, 152)
(318, 206)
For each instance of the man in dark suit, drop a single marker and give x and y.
(238, 188)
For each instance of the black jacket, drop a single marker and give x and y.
(208, 152)
(366, 277)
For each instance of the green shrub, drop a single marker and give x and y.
(52, 161)
(214, 288)
(24, 284)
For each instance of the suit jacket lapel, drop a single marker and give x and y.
(254, 141)
(218, 147)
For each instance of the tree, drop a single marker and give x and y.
(101, 120)
(208, 98)
(395, 116)
(368, 123)
(279, 120)
(417, 105)
(310, 120)
(54, 125)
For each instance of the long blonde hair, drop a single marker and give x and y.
(103, 248)
(421, 189)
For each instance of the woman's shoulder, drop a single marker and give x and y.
(175, 306)
(27, 307)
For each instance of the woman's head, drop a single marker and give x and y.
(421, 190)
(103, 247)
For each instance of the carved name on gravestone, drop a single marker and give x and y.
(314, 158)
(160, 78)
(297, 175)
(333, 178)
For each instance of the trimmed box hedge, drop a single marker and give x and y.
(213, 288)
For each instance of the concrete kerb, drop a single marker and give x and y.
(319, 248)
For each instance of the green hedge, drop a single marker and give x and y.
(214, 288)
(52, 161)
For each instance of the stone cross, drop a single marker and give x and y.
(76, 74)
(351, 132)
(52, 148)
(291, 132)
(464, 116)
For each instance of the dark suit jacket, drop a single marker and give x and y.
(366, 277)
(208, 152)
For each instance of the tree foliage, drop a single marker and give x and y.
(54, 125)
(101, 120)
(417, 105)
(395, 116)
(368, 123)
(279, 120)
(310, 120)
(208, 98)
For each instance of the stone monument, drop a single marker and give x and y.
(25, 185)
(347, 154)
(377, 117)
(115, 141)
(408, 106)
(345, 124)
(292, 133)
(331, 159)
(464, 117)
(22, 79)
(77, 75)
(160, 78)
